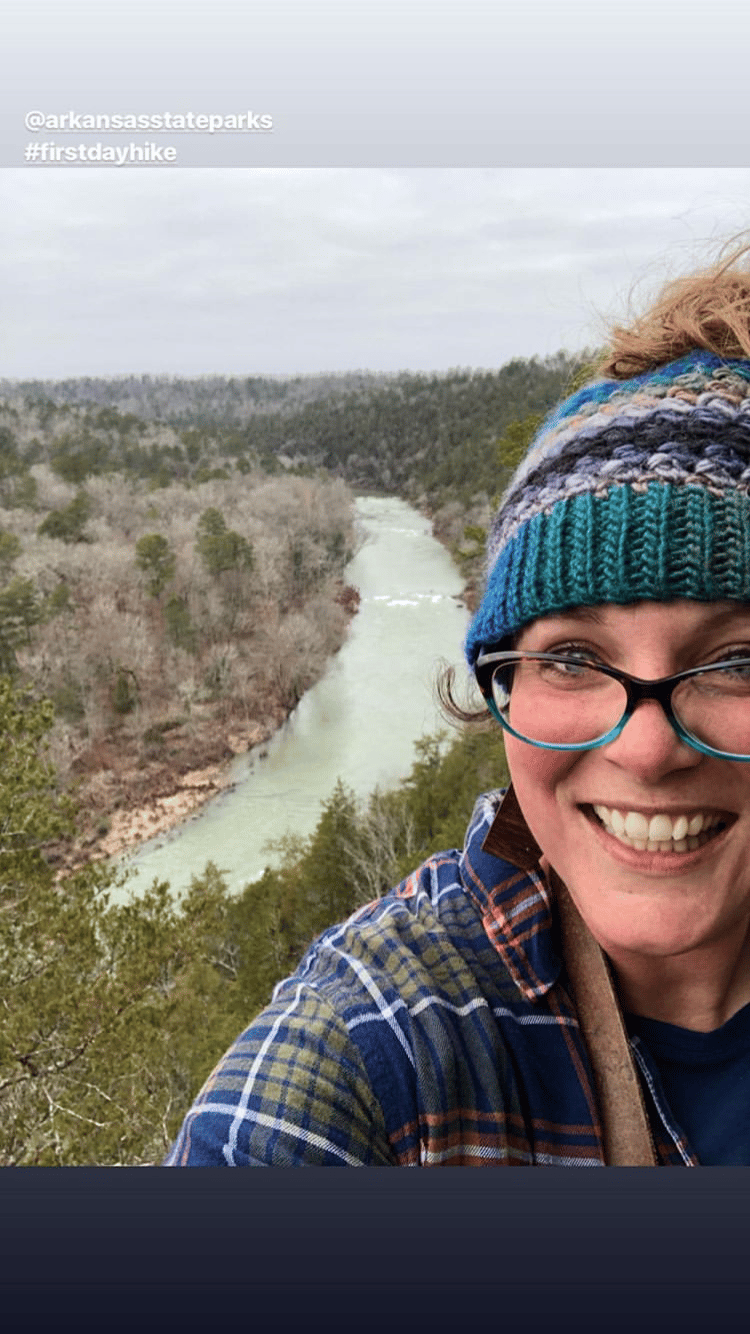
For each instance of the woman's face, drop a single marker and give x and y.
(655, 903)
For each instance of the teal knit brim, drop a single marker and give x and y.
(655, 542)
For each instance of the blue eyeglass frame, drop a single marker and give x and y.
(636, 690)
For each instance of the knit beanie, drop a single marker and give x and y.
(631, 489)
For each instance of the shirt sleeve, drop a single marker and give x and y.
(292, 1091)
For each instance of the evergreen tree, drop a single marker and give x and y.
(20, 609)
(219, 547)
(156, 558)
(95, 1044)
(179, 625)
(68, 524)
(10, 550)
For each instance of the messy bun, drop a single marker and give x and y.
(708, 309)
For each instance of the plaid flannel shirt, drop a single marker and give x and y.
(431, 1029)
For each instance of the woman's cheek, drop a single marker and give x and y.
(536, 775)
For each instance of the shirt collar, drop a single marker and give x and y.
(499, 870)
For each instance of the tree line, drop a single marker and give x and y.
(414, 434)
(114, 1014)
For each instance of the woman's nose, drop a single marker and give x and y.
(648, 744)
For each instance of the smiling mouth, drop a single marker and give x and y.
(660, 832)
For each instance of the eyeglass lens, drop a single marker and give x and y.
(571, 703)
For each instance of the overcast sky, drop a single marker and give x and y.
(293, 271)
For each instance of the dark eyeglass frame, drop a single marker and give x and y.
(636, 690)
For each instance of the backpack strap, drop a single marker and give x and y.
(627, 1136)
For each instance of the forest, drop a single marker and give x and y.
(402, 433)
(172, 556)
(171, 621)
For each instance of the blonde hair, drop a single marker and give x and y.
(707, 309)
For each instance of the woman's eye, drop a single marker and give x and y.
(729, 655)
(572, 667)
(574, 651)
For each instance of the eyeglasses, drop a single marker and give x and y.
(563, 702)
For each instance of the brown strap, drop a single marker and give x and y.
(627, 1137)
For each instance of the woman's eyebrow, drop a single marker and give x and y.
(595, 614)
(717, 615)
(583, 614)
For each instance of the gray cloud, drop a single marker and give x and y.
(289, 271)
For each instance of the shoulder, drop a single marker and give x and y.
(305, 1083)
(380, 1009)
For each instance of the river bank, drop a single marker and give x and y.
(127, 790)
(129, 796)
(127, 800)
(357, 726)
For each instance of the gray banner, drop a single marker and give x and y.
(360, 83)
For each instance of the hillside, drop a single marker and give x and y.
(172, 551)
(171, 628)
(416, 435)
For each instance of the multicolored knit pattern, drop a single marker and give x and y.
(632, 489)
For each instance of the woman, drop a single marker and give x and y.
(573, 988)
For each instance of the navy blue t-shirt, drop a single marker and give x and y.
(706, 1082)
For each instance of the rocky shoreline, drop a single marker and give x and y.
(127, 800)
(126, 792)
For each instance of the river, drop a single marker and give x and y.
(359, 723)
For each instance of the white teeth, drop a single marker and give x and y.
(680, 829)
(660, 827)
(659, 834)
(636, 825)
